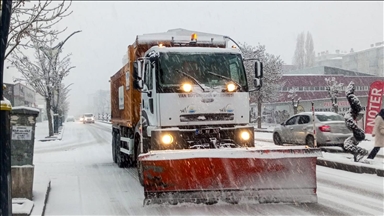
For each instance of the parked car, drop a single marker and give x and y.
(298, 129)
(70, 119)
(88, 118)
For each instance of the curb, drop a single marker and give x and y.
(45, 188)
(350, 167)
(46, 198)
(61, 133)
(264, 131)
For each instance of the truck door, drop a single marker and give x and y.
(148, 104)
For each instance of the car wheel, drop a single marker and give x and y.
(310, 141)
(277, 139)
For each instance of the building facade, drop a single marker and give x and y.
(20, 95)
(369, 61)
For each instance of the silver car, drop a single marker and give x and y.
(298, 129)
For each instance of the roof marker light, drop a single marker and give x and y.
(194, 37)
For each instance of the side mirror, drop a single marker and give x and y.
(258, 69)
(257, 82)
(137, 81)
(138, 84)
(137, 70)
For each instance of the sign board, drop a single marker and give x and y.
(21, 132)
(375, 97)
(121, 97)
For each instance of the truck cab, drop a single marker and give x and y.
(193, 97)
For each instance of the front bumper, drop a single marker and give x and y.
(212, 137)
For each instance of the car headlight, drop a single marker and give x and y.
(167, 139)
(245, 135)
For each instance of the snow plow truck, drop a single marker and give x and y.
(180, 114)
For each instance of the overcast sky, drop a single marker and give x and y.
(109, 27)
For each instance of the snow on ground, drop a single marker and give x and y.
(85, 181)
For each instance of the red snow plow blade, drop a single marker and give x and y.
(230, 175)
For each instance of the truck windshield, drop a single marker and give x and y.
(201, 66)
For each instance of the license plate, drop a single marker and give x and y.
(208, 131)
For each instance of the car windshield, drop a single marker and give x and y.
(331, 117)
(201, 66)
(88, 115)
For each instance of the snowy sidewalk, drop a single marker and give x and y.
(41, 132)
(41, 183)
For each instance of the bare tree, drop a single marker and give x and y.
(309, 51)
(44, 75)
(272, 75)
(292, 94)
(333, 88)
(33, 21)
(299, 56)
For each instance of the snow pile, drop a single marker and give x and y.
(21, 206)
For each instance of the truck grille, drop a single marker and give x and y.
(207, 117)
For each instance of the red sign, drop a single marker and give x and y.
(375, 98)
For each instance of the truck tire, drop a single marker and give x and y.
(121, 158)
(114, 147)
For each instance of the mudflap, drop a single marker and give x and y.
(231, 175)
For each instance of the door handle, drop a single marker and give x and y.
(291, 128)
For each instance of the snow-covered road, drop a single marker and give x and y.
(85, 181)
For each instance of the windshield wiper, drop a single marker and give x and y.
(226, 78)
(192, 78)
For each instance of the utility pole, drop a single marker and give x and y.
(5, 141)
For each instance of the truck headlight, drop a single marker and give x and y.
(167, 139)
(186, 87)
(231, 87)
(245, 135)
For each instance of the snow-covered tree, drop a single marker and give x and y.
(63, 103)
(304, 55)
(299, 56)
(34, 21)
(44, 73)
(270, 91)
(309, 51)
(333, 88)
(292, 94)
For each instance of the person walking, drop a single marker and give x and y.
(378, 134)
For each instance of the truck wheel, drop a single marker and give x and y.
(114, 147)
(120, 156)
